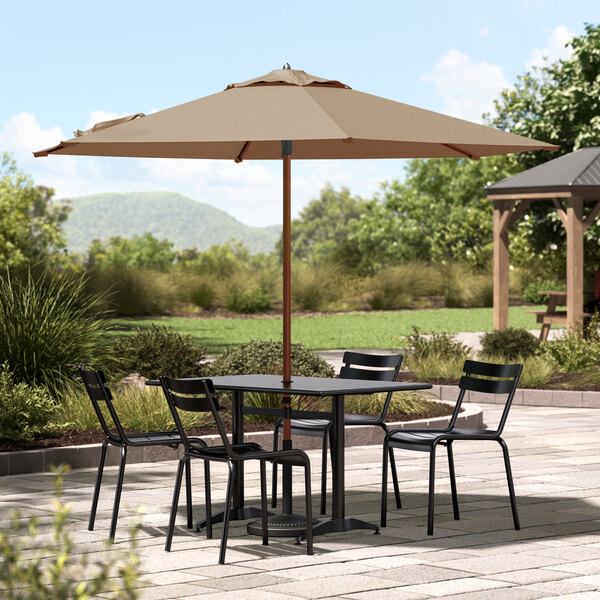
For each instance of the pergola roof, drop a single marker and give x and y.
(577, 171)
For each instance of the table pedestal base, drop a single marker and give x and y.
(338, 525)
(288, 525)
(237, 514)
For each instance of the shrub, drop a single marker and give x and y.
(249, 300)
(139, 409)
(572, 352)
(463, 289)
(537, 370)
(47, 568)
(436, 366)
(314, 288)
(25, 410)
(403, 403)
(203, 295)
(511, 343)
(530, 291)
(397, 287)
(442, 345)
(47, 328)
(159, 351)
(134, 291)
(266, 357)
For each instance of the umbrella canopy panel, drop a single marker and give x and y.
(324, 118)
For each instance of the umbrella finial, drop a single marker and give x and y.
(287, 66)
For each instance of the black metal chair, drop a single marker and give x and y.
(378, 368)
(198, 395)
(95, 384)
(479, 377)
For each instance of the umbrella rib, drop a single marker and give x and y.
(240, 157)
(467, 154)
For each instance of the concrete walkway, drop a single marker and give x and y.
(555, 455)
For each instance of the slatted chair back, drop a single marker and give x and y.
(489, 378)
(95, 385)
(193, 395)
(373, 367)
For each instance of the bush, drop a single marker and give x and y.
(314, 288)
(47, 328)
(203, 295)
(530, 291)
(402, 403)
(537, 370)
(249, 300)
(511, 343)
(266, 357)
(463, 289)
(436, 366)
(134, 291)
(159, 351)
(442, 345)
(25, 411)
(48, 568)
(397, 287)
(572, 352)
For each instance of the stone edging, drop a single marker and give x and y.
(526, 397)
(86, 456)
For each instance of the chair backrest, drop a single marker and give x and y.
(374, 367)
(488, 378)
(95, 385)
(193, 395)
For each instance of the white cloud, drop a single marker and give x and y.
(250, 191)
(555, 49)
(468, 88)
(97, 116)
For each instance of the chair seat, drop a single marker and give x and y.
(424, 439)
(320, 425)
(158, 438)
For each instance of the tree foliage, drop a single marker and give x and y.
(30, 225)
(138, 252)
(438, 213)
(320, 233)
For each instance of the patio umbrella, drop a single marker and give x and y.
(289, 113)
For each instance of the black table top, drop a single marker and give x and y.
(308, 386)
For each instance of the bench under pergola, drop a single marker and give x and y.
(569, 182)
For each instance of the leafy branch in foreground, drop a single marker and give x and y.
(36, 567)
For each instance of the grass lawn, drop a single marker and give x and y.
(344, 330)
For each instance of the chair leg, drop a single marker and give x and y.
(324, 474)
(309, 518)
(511, 487)
(226, 514)
(97, 486)
(113, 524)
(274, 478)
(188, 494)
(384, 482)
(431, 491)
(182, 463)
(453, 482)
(207, 500)
(394, 472)
(263, 503)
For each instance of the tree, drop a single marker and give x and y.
(558, 103)
(30, 225)
(138, 252)
(321, 231)
(439, 213)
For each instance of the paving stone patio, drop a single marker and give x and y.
(555, 456)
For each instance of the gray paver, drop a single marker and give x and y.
(480, 557)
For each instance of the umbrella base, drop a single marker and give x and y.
(282, 526)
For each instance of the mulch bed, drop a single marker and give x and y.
(78, 438)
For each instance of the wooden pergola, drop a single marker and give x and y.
(569, 182)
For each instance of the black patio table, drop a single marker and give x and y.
(300, 386)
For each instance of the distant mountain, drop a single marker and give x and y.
(183, 221)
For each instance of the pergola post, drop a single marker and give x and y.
(575, 229)
(502, 210)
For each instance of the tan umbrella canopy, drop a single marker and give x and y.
(291, 113)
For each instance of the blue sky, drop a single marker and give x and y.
(69, 64)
